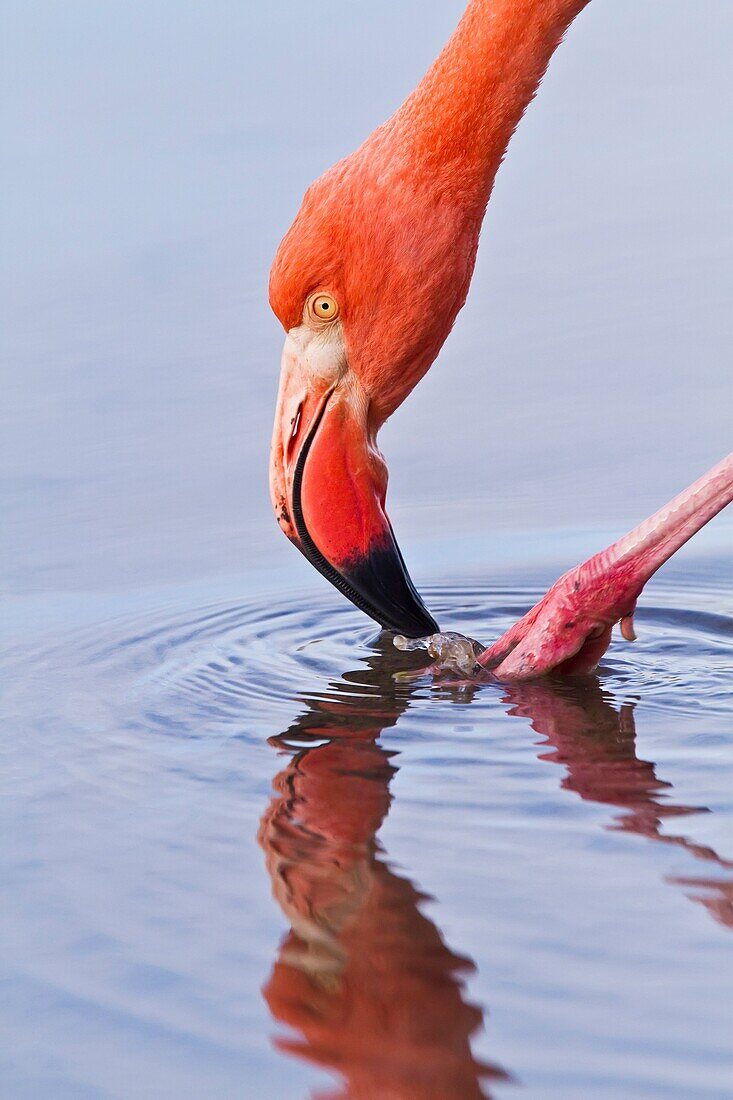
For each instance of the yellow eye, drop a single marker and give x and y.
(322, 307)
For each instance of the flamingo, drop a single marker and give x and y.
(367, 284)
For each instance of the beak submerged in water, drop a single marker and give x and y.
(328, 483)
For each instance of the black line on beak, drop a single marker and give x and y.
(382, 571)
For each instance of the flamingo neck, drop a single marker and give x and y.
(456, 125)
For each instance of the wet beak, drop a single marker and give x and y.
(328, 483)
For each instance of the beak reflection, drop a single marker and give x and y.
(364, 981)
(364, 978)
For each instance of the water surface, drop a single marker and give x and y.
(240, 858)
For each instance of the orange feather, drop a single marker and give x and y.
(392, 230)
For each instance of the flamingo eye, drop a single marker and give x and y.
(323, 307)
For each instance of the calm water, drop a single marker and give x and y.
(239, 858)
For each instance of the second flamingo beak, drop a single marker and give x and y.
(328, 483)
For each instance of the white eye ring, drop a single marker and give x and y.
(322, 307)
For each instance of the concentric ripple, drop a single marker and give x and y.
(242, 667)
(560, 822)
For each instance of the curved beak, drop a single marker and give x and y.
(328, 483)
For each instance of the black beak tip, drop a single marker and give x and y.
(378, 583)
(387, 593)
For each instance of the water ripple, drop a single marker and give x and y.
(219, 665)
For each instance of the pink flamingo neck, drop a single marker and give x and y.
(654, 541)
(454, 128)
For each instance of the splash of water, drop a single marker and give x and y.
(452, 651)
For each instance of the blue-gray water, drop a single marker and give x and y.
(519, 892)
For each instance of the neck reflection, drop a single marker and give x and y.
(364, 980)
(597, 745)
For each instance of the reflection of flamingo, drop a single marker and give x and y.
(363, 977)
(597, 745)
(367, 284)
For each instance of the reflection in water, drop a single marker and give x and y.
(597, 745)
(364, 980)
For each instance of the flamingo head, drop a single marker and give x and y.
(367, 284)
